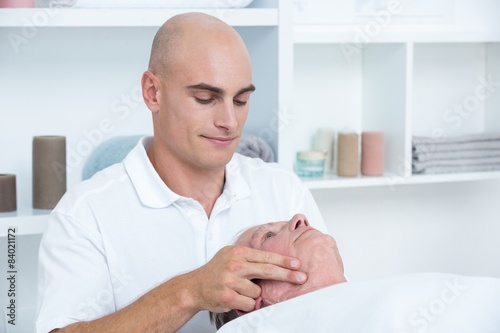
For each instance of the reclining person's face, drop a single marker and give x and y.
(318, 253)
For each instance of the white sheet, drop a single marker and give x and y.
(428, 302)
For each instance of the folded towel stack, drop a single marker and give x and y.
(253, 146)
(466, 153)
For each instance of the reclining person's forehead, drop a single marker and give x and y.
(249, 237)
(245, 239)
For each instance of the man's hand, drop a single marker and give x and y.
(224, 283)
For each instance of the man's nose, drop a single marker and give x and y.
(297, 221)
(225, 116)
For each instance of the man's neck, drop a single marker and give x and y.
(202, 185)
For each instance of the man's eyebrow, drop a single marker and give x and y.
(204, 86)
(250, 88)
(219, 91)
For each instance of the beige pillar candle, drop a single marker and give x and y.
(372, 153)
(348, 155)
(8, 196)
(49, 170)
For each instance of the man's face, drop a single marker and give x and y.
(204, 102)
(318, 254)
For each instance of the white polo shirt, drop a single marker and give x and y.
(119, 234)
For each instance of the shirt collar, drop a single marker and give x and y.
(235, 187)
(154, 193)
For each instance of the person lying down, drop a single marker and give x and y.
(423, 302)
(317, 252)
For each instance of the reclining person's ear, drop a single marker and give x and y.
(258, 304)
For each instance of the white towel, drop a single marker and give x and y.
(460, 146)
(453, 155)
(465, 153)
(439, 169)
(456, 139)
(253, 146)
(421, 166)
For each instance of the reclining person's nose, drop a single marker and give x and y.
(297, 221)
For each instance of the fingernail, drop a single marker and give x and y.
(295, 264)
(301, 277)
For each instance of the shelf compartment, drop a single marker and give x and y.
(402, 89)
(455, 89)
(384, 97)
(446, 81)
(364, 90)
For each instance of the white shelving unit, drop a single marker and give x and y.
(403, 82)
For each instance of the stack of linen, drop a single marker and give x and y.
(467, 153)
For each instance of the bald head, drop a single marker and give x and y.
(189, 33)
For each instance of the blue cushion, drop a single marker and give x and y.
(109, 152)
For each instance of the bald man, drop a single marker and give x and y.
(139, 247)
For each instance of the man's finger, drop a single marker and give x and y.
(258, 256)
(273, 272)
(244, 303)
(248, 288)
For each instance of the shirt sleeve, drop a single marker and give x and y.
(74, 283)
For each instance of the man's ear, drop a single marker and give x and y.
(150, 90)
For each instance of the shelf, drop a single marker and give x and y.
(79, 17)
(458, 177)
(331, 181)
(34, 221)
(355, 34)
(23, 211)
(28, 221)
(25, 224)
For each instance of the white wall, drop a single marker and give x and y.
(383, 231)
